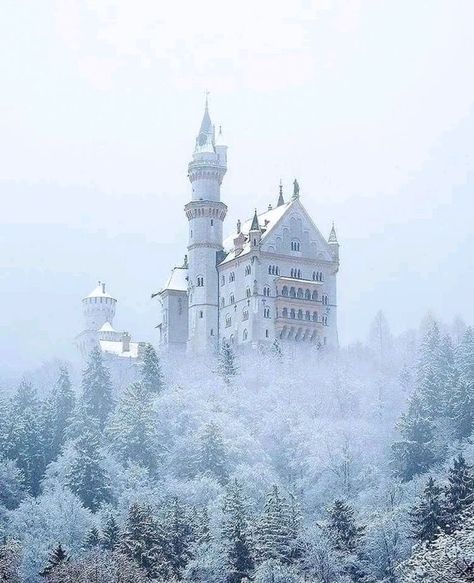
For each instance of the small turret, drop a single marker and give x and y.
(281, 200)
(221, 148)
(333, 243)
(98, 308)
(255, 233)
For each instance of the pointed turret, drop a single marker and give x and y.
(255, 226)
(205, 140)
(281, 200)
(333, 243)
(255, 233)
(332, 235)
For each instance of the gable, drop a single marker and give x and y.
(295, 225)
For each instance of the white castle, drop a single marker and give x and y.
(274, 278)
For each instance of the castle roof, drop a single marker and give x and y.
(115, 347)
(107, 327)
(178, 280)
(266, 220)
(99, 292)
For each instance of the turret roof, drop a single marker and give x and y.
(99, 292)
(332, 235)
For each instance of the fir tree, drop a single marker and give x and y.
(110, 538)
(462, 399)
(10, 562)
(428, 517)
(413, 454)
(235, 534)
(344, 532)
(274, 537)
(151, 374)
(63, 400)
(57, 557)
(133, 427)
(97, 388)
(460, 491)
(177, 535)
(92, 539)
(87, 478)
(227, 366)
(294, 527)
(200, 526)
(212, 457)
(430, 374)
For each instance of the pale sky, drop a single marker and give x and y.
(368, 103)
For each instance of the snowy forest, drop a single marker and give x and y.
(285, 465)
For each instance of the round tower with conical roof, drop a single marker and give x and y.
(206, 213)
(98, 310)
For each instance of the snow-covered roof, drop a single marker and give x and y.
(177, 281)
(107, 327)
(266, 220)
(115, 347)
(99, 292)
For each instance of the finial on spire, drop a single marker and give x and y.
(281, 200)
(296, 189)
(207, 99)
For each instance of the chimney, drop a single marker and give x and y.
(126, 342)
(103, 288)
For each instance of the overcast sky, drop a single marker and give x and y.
(368, 103)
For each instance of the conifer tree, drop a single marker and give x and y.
(344, 532)
(460, 491)
(227, 365)
(151, 373)
(133, 429)
(110, 538)
(212, 456)
(57, 557)
(87, 478)
(200, 526)
(294, 527)
(430, 374)
(428, 518)
(274, 538)
(63, 399)
(92, 539)
(177, 535)
(235, 534)
(413, 454)
(97, 388)
(10, 561)
(462, 399)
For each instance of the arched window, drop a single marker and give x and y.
(325, 300)
(295, 245)
(299, 273)
(299, 293)
(228, 321)
(315, 316)
(232, 299)
(284, 313)
(292, 314)
(314, 276)
(245, 314)
(300, 314)
(266, 312)
(266, 291)
(248, 270)
(315, 296)
(200, 281)
(307, 315)
(307, 295)
(284, 291)
(269, 270)
(248, 292)
(245, 335)
(292, 292)
(231, 339)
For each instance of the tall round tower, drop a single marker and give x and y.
(206, 214)
(98, 308)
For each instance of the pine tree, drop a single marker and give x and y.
(227, 365)
(97, 388)
(25, 444)
(58, 557)
(87, 478)
(462, 399)
(430, 375)
(460, 491)
(294, 527)
(151, 373)
(141, 540)
(235, 534)
(110, 538)
(63, 400)
(343, 530)
(212, 457)
(133, 428)
(178, 535)
(200, 526)
(274, 537)
(413, 454)
(428, 518)
(92, 539)
(10, 561)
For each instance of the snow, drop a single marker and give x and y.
(115, 347)
(177, 281)
(99, 292)
(107, 327)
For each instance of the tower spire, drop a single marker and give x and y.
(255, 225)
(332, 235)
(281, 200)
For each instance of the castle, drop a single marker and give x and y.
(273, 278)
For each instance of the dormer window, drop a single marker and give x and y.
(295, 245)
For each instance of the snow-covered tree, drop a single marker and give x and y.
(62, 402)
(236, 536)
(462, 397)
(87, 476)
(177, 535)
(92, 539)
(111, 534)
(428, 517)
(227, 365)
(151, 375)
(57, 557)
(10, 560)
(133, 429)
(273, 532)
(344, 532)
(212, 455)
(12, 487)
(459, 492)
(97, 388)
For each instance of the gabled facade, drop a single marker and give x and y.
(273, 278)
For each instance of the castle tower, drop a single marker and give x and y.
(98, 309)
(206, 214)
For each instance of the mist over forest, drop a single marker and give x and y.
(283, 465)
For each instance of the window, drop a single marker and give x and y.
(245, 314)
(325, 320)
(284, 291)
(222, 302)
(307, 295)
(200, 281)
(314, 297)
(228, 321)
(292, 292)
(212, 222)
(295, 245)
(325, 300)
(255, 242)
(300, 314)
(307, 315)
(299, 294)
(315, 316)
(266, 312)
(231, 276)
(248, 270)
(285, 312)
(292, 314)
(212, 331)
(201, 314)
(273, 270)
(266, 291)
(266, 333)
(231, 339)
(317, 275)
(222, 279)
(245, 335)
(248, 293)
(232, 299)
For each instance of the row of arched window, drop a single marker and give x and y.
(295, 273)
(273, 270)
(299, 293)
(317, 276)
(295, 245)
(294, 314)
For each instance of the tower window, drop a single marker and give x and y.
(245, 335)
(232, 299)
(232, 276)
(266, 291)
(266, 313)
(212, 222)
(201, 314)
(295, 245)
(200, 281)
(228, 321)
